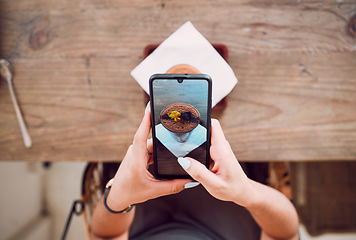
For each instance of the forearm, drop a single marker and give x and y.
(274, 213)
(227, 181)
(106, 224)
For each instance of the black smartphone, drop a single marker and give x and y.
(181, 119)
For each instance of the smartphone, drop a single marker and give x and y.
(181, 119)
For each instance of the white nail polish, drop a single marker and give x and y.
(185, 163)
(191, 185)
(147, 107)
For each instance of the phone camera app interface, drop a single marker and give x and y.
(180, 119)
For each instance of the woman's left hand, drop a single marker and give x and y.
(133, 183)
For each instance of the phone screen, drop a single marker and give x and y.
(180, 121)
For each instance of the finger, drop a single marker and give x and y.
(220, 149)
(150, 145)
(197, 171)
(150, 151)
(217, 134)
(140, 139)
(148, 107)
(212, 166)
(171, 186)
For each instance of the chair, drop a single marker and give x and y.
(94, 178)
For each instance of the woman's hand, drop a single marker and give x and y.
(226, 180)
(133, 183)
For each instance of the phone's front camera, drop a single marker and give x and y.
(180, 80)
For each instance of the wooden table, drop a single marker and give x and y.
(295, 61)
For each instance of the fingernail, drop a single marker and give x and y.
(185, 163)
(147, 107)
(191, 185)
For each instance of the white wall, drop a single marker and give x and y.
(26, 189)
(64, 186)
(20, 202)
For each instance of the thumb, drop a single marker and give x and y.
(162, 188)
(197, 171)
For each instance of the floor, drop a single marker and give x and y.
(53, 191)
(330, 236)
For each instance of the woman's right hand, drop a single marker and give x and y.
(226, 179)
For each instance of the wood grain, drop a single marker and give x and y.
(295, 61)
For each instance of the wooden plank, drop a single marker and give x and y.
(296, 64)
(100, 4)
(293, 108)
(325, 196)
(71, 113)
(91, 110)
(125, 31)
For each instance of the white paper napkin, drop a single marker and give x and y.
(188, 46)
(180, 149)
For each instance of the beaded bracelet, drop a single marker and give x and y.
(107, 189)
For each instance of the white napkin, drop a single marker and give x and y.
(188, 46)
(191, 141)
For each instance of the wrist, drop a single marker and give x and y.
(252, 197)
(113, 204)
